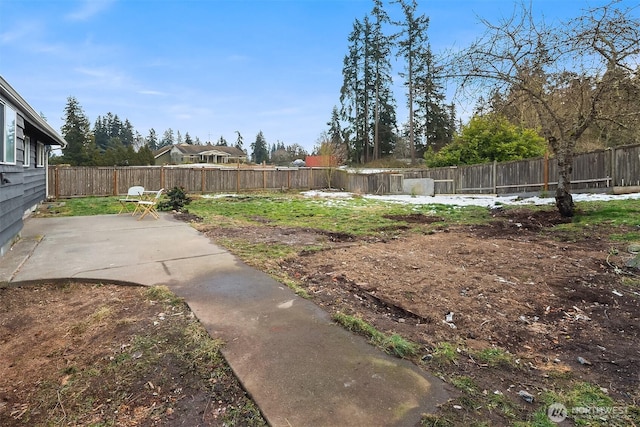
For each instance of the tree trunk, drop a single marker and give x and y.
(564, 201)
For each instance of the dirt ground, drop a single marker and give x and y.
(547, 297)
(561, 304)
(108, 355)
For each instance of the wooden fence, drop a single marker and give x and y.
(601, 169)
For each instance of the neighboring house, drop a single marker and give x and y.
(187, 153)
(25, 138)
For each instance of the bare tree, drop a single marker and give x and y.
(565, 73)
(332, 154)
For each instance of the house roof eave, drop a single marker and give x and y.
(30, 114)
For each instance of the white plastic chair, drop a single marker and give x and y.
(134, 195)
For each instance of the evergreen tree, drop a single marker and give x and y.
(76, 131)
(259, 149)
(222, 142)
(434, 117)
(101, 133)
(187, 139)
(127, 134)
(145, 156)
(178, 138)
(367, 100)
(152, 140)
(335, 137)
(335, 131)
(384, 115)
(413, 48)
(353, 96)
(167, 138)
(239, 142)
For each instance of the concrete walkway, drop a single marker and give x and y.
(299, 367)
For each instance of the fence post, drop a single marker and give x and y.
(56, 187)
(115, 181)
(264, 177)
(162, 176)
(202, 181)
(456, 174)
(494, 176)
(545, 168)
(612, 165)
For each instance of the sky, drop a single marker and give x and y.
(213, 67)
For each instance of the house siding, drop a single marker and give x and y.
(25, 189)
(11, 194)
(22, 187)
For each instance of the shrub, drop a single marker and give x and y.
(178, 199)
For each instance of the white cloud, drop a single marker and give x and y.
(88, 9)
(17, 33)
(104, 77)
(151, 92)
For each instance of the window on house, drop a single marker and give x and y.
(27, 152)
(8, 136)
(41, 155)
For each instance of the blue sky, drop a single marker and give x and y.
(210, 67)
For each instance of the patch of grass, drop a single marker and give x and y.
(495, 357)
(631, 282)
(161, 293)
(399, 346)
(632, 236)
(205, 350)
(81, 206)
(260, 255)
(580, 395)
(431, 420)
(466, 385)
(100, 314)
(444, 353)
(358, 216)
(501, 404)
(393, 344)
(612, 212)
(295, 287)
